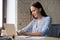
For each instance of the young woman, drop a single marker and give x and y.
(41, 23)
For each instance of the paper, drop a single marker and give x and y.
(28, 38)
(23, 36)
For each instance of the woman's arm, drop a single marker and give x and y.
(32, 34)
(29, 33)
(28, 28)
(46, 27)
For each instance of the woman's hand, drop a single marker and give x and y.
(20, 32)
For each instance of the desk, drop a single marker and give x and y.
(35, 38)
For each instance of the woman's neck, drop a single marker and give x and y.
(38, 21)
(39, 17)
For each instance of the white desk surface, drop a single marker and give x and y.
(35, 38)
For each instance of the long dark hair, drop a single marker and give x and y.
(38, 5)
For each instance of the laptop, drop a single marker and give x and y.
(10, 30)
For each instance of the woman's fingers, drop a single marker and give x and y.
(20, 32)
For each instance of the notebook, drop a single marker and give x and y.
(10, 29)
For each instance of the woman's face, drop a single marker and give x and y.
(35, 11)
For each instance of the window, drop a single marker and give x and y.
(1, 12)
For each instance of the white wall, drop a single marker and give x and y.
(1, 4)
(12, 12)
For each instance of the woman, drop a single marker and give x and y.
(40, 24)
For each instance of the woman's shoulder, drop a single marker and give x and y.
(48, 17)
